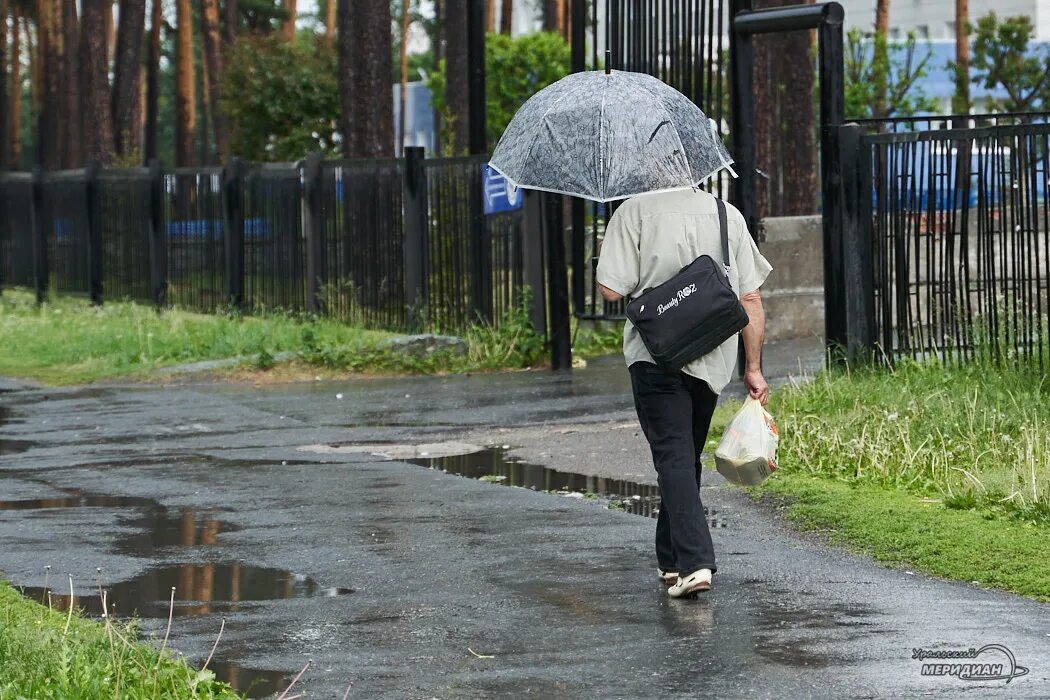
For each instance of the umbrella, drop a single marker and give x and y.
(606, 135)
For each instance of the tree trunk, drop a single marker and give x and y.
(14, 124)
(204, 90)
(456, 75)
(111, 34)
(404, 78)
(72, 144)
(490, 16)
(5, 147)
(551, 16)
(506, 17)
(880, 56)
(288, 23)
(345, 20)
(95, 113)
(329, 21)
(961, 100)
(785, 123)
(153, 81)
(127, 78)
(213, 62)
(185, 87)
(48, 67)
(367, 96)
(230, 22)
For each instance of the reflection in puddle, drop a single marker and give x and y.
(78, 501)
(200, 589)
(153, 526)
(493, 465)
(252, 682)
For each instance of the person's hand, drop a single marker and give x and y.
(756, 386)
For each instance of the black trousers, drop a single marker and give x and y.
(675, 412)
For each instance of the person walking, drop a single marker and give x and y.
(647, 241)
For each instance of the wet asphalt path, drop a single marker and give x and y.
(403, 576)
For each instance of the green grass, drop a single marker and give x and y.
(945, 470)
(46, 656)
(68, 341)
(901, 529)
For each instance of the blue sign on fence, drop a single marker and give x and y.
(500, 195)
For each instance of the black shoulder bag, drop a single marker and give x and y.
(692, 313)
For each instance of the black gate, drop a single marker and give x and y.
(948, 232)
(679, 41)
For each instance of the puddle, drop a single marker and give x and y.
(252, 682)
(152, 527)
(493, 465)
(200, 589)
(78, 502)
(13, 447)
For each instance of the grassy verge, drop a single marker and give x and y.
(46, 655)
(68, 341)
(901, 529)
(945, 470)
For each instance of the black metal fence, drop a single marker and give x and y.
(682, 42)
(949, 235)
(325, 237)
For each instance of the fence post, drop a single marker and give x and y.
(313, 232)
(859, 291)
(233, 218)
(557, 277)
(5, 228)
(480, 250)
(94, 231)
(158, 239)
(415, 210)
(532, 247)
(40, 258)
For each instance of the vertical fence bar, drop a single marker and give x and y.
(742, 112)
(415, 216)
(92, 207)
(158, 239)
(313, 233)
(480, 249)
(533, 246)
(856, 243)
(557, 279)
(233, 215)
(832, 111)
(40, 258)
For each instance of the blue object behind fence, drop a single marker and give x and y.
(499, 195)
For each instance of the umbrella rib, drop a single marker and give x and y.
(543, 120)
(674, 127)
(601, 129)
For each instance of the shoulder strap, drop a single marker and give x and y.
(723, 230)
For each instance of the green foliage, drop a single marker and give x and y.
(282, 98)
(978, 434)
(902, 529)
(1002, 58)
(875, 67)
(515, 70)
(43, 659)
(70, 341)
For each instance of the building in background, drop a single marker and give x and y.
(934, 20)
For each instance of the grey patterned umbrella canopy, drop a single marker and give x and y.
(606, 136)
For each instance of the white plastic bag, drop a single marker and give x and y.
(747, 454)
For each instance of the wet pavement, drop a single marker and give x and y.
(430, 575)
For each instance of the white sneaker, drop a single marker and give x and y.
(668, 578)
(691, 585)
